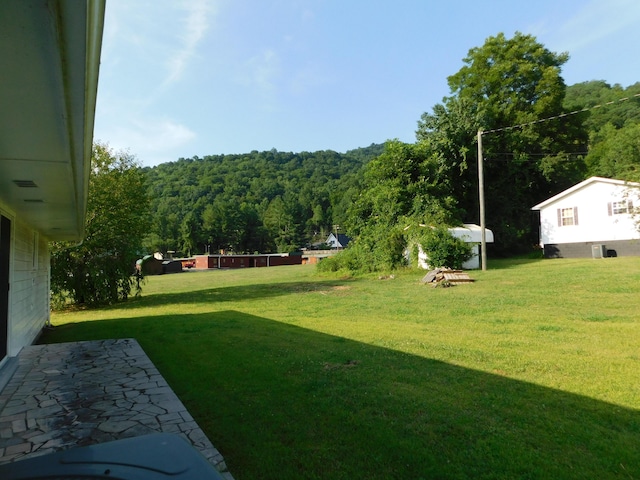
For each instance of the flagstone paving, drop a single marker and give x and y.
(82, 393)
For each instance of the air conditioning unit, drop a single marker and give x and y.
(599, 251)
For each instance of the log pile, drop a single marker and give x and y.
(446, 277)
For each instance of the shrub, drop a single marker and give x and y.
(443, 249)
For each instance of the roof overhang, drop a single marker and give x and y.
(581, 185)
(471, 233)
(467, 232)
(50, 52)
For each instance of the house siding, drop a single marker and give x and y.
(28, 285)
(594, 225)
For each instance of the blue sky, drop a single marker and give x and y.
(207, 77)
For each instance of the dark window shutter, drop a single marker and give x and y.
(575, 215)
(559, 217)
(609, 209)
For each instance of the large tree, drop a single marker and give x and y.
(99, 270)
(504, 83)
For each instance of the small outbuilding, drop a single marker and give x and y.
(149, 265)
(469, 233)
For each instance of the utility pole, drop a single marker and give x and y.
(483, 233)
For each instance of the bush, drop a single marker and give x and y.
(379, 249)
(443, 249)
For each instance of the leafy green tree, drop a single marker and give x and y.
(253, 236)
(281, 225)
(189, 233)
(617, 154)
(504, 83)
(598, 92)
(402, 187)
(100, 269)
(613, 132)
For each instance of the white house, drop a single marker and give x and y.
(341, 241)
(470, 233)
(50, 54)
(594, 218)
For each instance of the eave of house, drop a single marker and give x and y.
(50, 52)
(581, 185)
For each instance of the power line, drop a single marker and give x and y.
(526, 157)
(547, 154)
(562, 115)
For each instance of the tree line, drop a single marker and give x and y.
(281, 201)
(381, 195)
(257, 202)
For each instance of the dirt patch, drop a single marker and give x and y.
(335, 366)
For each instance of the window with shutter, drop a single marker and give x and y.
(619, 208)
(567, 216)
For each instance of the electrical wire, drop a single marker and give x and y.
(562, 115)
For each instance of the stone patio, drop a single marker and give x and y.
(82, 393)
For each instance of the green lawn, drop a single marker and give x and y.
(533, 371)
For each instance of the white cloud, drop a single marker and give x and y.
(148, 48)
(595, 22)
(158, 38)
(262, 71)
(151, 140)
(195, 25)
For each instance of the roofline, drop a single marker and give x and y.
(95, 28)
(584, 183)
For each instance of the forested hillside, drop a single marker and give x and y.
(614, 127)
(257, 202)
(281, 201)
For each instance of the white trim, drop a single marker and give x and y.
(581, 185)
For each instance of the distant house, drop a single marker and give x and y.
(594, 218)
(469, 233)
(50, 59)
(341, 241)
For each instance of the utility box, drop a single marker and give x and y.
(598, 251)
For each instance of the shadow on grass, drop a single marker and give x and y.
(233, 293)
(285, 402)
(504, 263)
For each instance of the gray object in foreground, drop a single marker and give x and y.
(157, 456)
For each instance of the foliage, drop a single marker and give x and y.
(326, 377)
(261, 201)
(379, 248)
(617, 155)
(597, 92)
(401, 187)
(442, 248)
(356, 258)
(507, 82)
(614, 149)
(99, 270)
(278, 201)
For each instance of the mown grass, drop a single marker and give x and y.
(530, 372)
